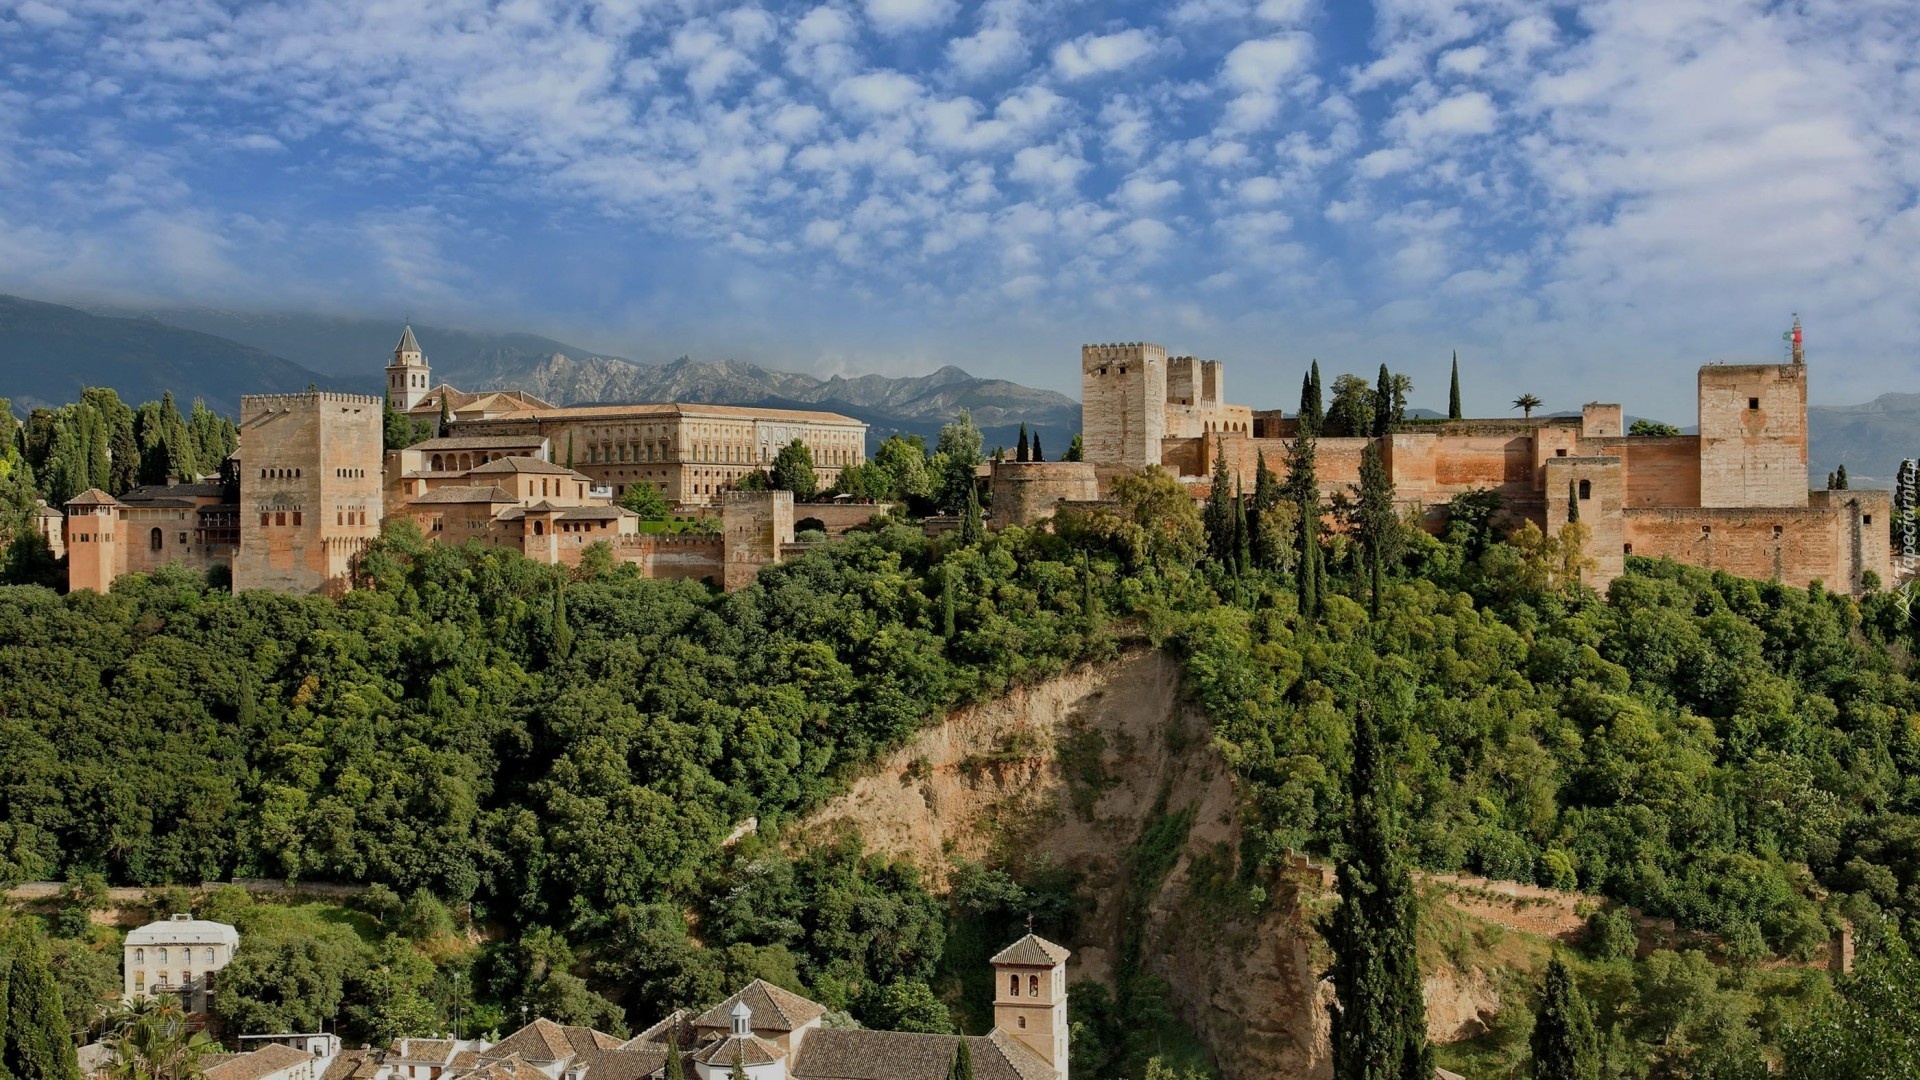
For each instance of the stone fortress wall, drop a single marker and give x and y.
(1734, 497)
(310, 481)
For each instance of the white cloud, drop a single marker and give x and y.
(878, 92)
(1100, 54)
(905, 16)
(1260, 71)
(1047, 166)
(1470, 113)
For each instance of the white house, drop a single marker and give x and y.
(179, 956)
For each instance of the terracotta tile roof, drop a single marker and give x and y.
(676, 1028)
(595, 513)
(465, 493)
(513, 1067)
(353, 1064)
(269, 1059)
(839, 1054)
(146, 493)
(479, 442)
(439, 1051)
(459, 400)
(523, 465)
(774, 1009)
(626, 1063)
(752, 1050)
(93, 497)
(1032, 951)
(544, 1040)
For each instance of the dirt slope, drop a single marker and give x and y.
(1078, 767)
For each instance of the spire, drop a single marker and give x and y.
(407, 343)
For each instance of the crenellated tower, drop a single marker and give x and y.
(1123, 402)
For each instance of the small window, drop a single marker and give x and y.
(1586, 489)
(139, 956)
(1561, 452)
(280, 517)
(1023, 1022)
(1013, 986)
(209, 956)
(139, 980)
(156, 539)
(265, 520)
(296, 517)
(1866, 519)
(183, 538)
(1776, 532)
(1626, 549)
(1706, 530)
(1033, 985)
(162, 956)
(1753, 404)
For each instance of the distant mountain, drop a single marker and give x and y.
(1869, 439)
(354, 346)
(48, 352)
(354, 350)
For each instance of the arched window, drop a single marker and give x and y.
(1586, 489)
(209, 956)
(139, 956)
(1023, 1021)
(155, 539)
(163, 959)
(1033, 985)
(539, 528)
(1013, 986)
(139, 980)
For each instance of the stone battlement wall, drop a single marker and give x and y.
(1026, 492)
(267, 401)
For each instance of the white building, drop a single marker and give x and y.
(177, 956)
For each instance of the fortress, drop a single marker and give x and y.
(1734, 497)
(312, 484)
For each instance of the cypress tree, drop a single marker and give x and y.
(1383, 404)
(962, 1068)
(1313, 412)
(739, 1068)
(1304, 488)
(1453, 391)
(972, 528)
(1379, 522)
(1020, 454)
(34, 1044)
(1573, 501)
(1266, 495)
(1379, 1017)
(1565, 1046)
(1319, 400)
(1840, 478)
(562, 632)
(1037, 455)
(446, 414)
(1076, 449)
(1218, 515)
(949, 604)
(674, 1070)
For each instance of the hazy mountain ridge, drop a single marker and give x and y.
(1870, 439)
(49, 352)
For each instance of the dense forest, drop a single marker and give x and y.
(558, 757)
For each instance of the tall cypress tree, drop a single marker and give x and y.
(562, 632)
(1037, 455)
(1565, 1046)
(949, 604)
(1313, 413)
(1303, 487)
(1453, 391)
(1020, 454)
(674, 1069)
(1218, 515)
(34, 1044)
(1573, 501)
(1379, 1018)
(1378, 520)
(972, 528)
(1383, 404)
(1266, 494)
(962, 1067)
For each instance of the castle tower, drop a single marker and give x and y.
(92, 538)
(408, 376)
(1753, 435)
(1123, 403)
(310, 489)
(1030, 998)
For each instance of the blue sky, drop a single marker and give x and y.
(1586, 200)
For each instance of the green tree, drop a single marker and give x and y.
(151, 1040)
(562, 633)
(1218, 515)
(1313, 410)
(674, 1069)
(392, 997)
(1651, 428)
(288, 981)
(1838, 482)
(399, 431)
(956, 454)
(1379, 522)
(1453, 389)
(644, 499)
(35, 1040)
(1351, 412)
(1038, 454)
(739, 1071)
(962, 1067)
(1527, 403)
(903, 461)
(910, 1005)
(972, 528)
(1383, 411)
(793, 471)
(1303, 489)
(1022, 453)
(1564, 1044)
(1866, 1030)
(1379, 1020)
(1076, 449)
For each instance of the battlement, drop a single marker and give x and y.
(1141, 352)
(310, 397)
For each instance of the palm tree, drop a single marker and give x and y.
(150, 1040)
(1528, 403)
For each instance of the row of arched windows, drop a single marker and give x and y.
(279, 474)
(1013, 986)
(160, 955)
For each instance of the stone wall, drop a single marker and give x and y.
(1595, 483)
(755, 524)
(1791, 544)
(1026, 492)
(310, 489)
(1123, 403)
(840, 518)
(1661, 471)
(1753, 435)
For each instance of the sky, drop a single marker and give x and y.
(1586, 201)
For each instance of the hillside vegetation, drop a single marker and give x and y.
(568, 754)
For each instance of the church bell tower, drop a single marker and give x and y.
(408, 376)
(1030, 998)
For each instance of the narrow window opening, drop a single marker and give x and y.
(1753, 404)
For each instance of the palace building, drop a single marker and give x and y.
(1733, 497)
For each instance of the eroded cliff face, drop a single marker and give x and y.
(1079, 767)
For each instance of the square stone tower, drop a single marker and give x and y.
(310, 489)
(1123, 402)
(1753, 435)
(1030, 998)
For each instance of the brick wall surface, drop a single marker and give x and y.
(756, 524)
(317, 456)
(1753, 435)
(1662, 471)
(1123, 403)
(1025, 493)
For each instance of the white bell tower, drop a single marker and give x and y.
(408, 376)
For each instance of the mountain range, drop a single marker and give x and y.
(49, 351)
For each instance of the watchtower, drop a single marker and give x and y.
(1753, 435)
(1123, 403)
(408, 375)
(310, 498)
(1030, 997)
(92, 538)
